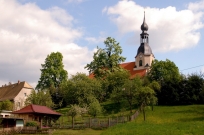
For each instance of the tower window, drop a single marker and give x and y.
(140, 63)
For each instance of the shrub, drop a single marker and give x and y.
(31, 124)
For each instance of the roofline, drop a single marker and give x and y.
(36, 113)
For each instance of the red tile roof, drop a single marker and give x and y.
(36, 109)
(129, 66)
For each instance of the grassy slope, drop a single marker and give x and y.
(165, 120)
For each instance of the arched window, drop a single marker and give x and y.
(140, 63)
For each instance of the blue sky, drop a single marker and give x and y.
(32, 29)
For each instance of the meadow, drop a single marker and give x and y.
(164, 120)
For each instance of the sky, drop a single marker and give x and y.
(32, 29)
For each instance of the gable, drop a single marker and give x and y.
(10, 91)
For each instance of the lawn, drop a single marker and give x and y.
(164, 120)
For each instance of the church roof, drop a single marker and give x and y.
(145, 49)
(130, 67)
(36, 109)
(10, 91)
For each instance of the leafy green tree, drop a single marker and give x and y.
(145, 97)
(130, 89)
(156, 87)
(116, 80)
(52, 75)
(166, 73)
(80, 89)
(106, 60)
(40, 98)
(75, 110)
(162, 71)
(94, 108)
(6, 105)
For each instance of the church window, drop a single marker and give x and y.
(140, 63)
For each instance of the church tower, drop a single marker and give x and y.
(144, 57)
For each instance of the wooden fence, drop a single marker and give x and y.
(97, 123)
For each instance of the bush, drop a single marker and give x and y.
(31, 124)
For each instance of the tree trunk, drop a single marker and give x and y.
(144, 113)
(72, 122)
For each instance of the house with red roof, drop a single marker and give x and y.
(143, 58)
(37, 113)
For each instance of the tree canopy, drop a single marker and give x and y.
(107, 59)
(163, 71)
(52, 72)
(52, 75)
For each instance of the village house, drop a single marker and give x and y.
(16, 93)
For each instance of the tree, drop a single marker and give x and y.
(116, 81)
(75, 110)
(130, 89)
(6, 105)
(80, 89)
(52, 75)
(145, 96)
(156, 87)
(106, 60)
(166, 73)
(161, 71)
(94, 108)
(40, 98)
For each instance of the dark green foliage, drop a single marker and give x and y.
(106, 60)
(162, 71)
(6, 105)
(31, 124)
(42, 97)
(94, 108)
(80, 89)
(52, 75)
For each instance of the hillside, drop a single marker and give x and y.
(168, 120)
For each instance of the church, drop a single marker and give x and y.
(144, 56)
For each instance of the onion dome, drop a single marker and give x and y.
(144, 26)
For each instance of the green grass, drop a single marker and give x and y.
(74, 132)
(164, 120)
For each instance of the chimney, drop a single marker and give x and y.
(18, 81)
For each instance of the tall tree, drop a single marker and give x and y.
(166, 73)
(107, 59)
(52, 75)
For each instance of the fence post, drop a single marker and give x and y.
(89, 122)
(108, 122)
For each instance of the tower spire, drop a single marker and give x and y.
(144, 26)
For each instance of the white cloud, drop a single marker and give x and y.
(95, 40)
(28, 34)
(196, 6)
(169, 29)
(75, 1)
